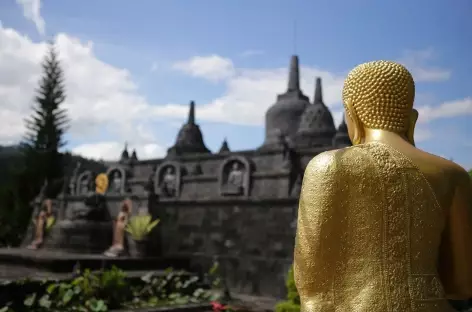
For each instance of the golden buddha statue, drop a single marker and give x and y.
(382, 225)
(101, 183)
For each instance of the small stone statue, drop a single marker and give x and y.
(116, 182)
(235, 182)
(118, 244)
(40, 223)
(169, 183)
(85, 185)
(382, 225)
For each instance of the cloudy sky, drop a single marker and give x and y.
(133, 66)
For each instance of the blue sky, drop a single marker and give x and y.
(249, 38)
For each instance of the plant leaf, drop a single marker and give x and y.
(30, 300)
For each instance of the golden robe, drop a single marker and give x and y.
(371, 235)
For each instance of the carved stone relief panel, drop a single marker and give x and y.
(117, 180)
(167, 179)
(84, 183)
(235, 176)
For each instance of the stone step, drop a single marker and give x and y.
(65, 262)
(10, 273)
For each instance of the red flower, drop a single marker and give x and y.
(218, 307)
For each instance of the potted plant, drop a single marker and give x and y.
(139, 228)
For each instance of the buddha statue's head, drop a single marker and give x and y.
(101, 183)
(379, 95)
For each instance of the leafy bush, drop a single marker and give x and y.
(106, 290)
(140, 226)
(287, 306)
(173, 288)
(292, 304)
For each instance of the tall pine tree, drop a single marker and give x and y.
(46, 126)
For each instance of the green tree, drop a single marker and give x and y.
(46, 126)
(39, 158)
(470, 173)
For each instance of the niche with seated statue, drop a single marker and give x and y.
(84, 183)
(167, 180)
(117, 178)
(235, 177)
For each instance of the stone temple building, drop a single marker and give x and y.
(240, 205)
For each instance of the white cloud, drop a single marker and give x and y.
(461, 107)
(112, 150)
(102, 100)
(213, 67)
(446, 110)
(32, 11)
(250, 92)
(417, 63)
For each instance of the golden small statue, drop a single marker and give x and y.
(101, 183)
(382, 225)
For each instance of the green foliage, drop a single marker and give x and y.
(292, 304)
(292, 292)
(15, 212)
(17, 189)
(109, 289)
(173, 288)
(140, 226)
(87, 292)
(47, 124)
(287, 306)
(215, 275)
(470, 173)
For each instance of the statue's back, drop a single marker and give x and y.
(381, 236)
(382, 226)
(408, 226)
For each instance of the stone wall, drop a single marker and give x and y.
(252, 232)
(82, 236)
(254, 239)
(253, 235)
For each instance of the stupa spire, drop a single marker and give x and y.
(294, 75)
(191, 113)
(224, 147)
(318, 97)
(189, 138)
(124, 154)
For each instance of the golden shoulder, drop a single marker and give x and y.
(324, 165)
(337, 165)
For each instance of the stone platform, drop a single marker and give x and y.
(20, 263)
